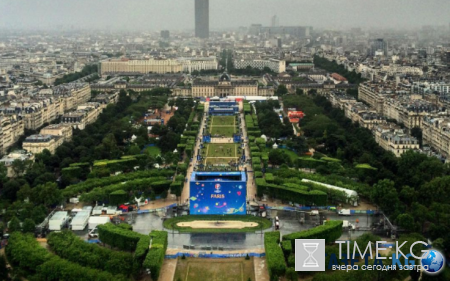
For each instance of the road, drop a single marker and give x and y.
(185, 192)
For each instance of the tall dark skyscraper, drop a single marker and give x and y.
(202, 18)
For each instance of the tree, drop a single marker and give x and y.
(14, 224)
(406, 221)
(281, 90)
(169, 142)
(279, 157)
(19, 167)
(299, 91)
(28, 226)
(385, 195)
(47, 194)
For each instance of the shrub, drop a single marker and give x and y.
(156, 253)
(331, 231)
(118, 237)
(25, 253)
(88, 185)
(269, 177)
(291, 274)
(68, 246)
(274, 255)
(287, 248)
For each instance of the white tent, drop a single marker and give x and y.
(350, 193)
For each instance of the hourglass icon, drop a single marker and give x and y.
(310, 248)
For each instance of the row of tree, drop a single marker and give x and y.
(414, 189)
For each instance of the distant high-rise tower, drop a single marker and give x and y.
(202, 18)
(275, 21)
(379, 45)
(165, 34)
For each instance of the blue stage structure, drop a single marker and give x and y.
(218, 193)
(207, 138)
(237, 138)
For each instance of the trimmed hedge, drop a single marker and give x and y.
(118, 237)
(118, 197)
(309, 162)
(257, 167)
(24, 252)
(141, 249)
(293, 193)
(68, 246)
(274, 255)
(176, 187)
(331, 231)
(287, 248)
(269, 177)
(157, 252)
(157, 184)
(88, 185)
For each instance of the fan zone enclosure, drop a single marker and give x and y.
(218, 193)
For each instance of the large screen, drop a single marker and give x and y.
(218, 197)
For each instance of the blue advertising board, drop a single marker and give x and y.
(218, 196)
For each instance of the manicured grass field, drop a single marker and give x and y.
(223, 120)
(154, 151)
(221, 150)
(220, 161)
(227, 131)
(262, 223)
(233, 269)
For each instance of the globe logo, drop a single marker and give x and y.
(434, 260)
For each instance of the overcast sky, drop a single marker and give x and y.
(179, 14)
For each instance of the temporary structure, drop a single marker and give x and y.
(58, 220)
(80, 221)
(94, 221)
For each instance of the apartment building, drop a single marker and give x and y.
(83, 116)
(275, 65)
(370, 94)
(199, 63)
(340, 99)
(8, 160)
(11, 128)
(409, 112)
(63, 130)
(144, 66)
(38, 143)
(73, 94)
(392, 138)
(436, 133)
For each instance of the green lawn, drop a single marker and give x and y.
(262, 223)
(221, 150)
(220, 161)
(227, 131)
(153, 151)
(291, 154)
(233, 269)
(223, 120)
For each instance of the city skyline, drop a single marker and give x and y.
(179, 15)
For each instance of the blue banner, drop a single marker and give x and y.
(215, 256)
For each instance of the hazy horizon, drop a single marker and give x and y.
(179, 14)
